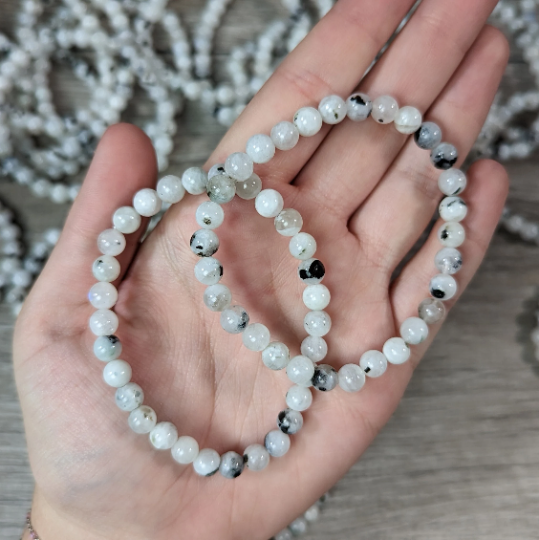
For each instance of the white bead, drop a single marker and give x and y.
(359, 107)
(250, 188)
(163, 436)
(207, 462)
(260, 148)
(332, 109)
(443, 287)
(408, 120)
(300, 370)
(218, 168)
(414, 330)
(269, 203)
(129, 397)
(170, 189)
(452, 234)
(256, 337)
(384, 109)
(126, 220)
(185, 450)
(142, 419)
(299, 398)
(276, 355)
(117, 373)
(373, 363)
(288, 222)
(315, 348)
(103, 295)
(317, 323)
(308, 121)
(210, 215)
(106, 268)
(448, 261)
(302, 246)
(351, 378)
(316, 297)
(194, 180)
(257, 456)
(107, 348)
(285, 135)
(239, 166)
(208, 271)
(103, 322)
(452, 182)
(396, 350)
(277, 443)
(111, 242)
(146, 202)
(453, 209)
(217, 297)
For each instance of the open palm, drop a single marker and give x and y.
(365, 192)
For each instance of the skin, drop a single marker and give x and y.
(365, 192)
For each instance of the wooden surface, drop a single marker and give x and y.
(459, 459)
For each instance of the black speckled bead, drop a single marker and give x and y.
(428, 136)
(325, 378)
(231, 465)
(444, 156)
(311, 271)
(204, 243)
(290, 421)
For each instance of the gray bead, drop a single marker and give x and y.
(431, 310)
(444, 156)
(221, 188)
(428, 136)
(231, 465)
(285, 534)
(107, 348)
(359, 107)
(290, 421)
(234, 320)
(325, 378)
(311, 271)
(298, 527)
(204, 243)
(277, 443)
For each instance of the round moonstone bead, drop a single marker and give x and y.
(285, 135)
(207, 462)
(428, 136)
(117, 373)
(351, 378)
(250, 188)
(447, 261)
(311, 271)
(300, 370)
(185, 450)
(269, 203)
(431, 310)
(260, 148)
(103, 295)
(106, 268)
(373, 363)
(204, 243)
(256, 337)
(256, 457)
(276, 355)
(316, 297)
(452, 182)
(221, 188)
(231, 465)
(234, 319)
(288, 222)
(210, 215)
(302, 246)
(396, 350)
(285, 534)
(453, 209)
(308, 121)
(277, 443)
(359, 107)
(146, 202)
(107, 348)
(299, 398)
(163, 436)
(103, 322)
(313, 513)
(142, 419)
(209, 271)
(451, 234)
(325, 378)
(111, 242)
(384, 109)
(217, 297)
(195, 180)
(218, 168)
(129, 397)
(317, 323)
(170, 189)
(414, 330)
(408, 120)
(332, 109)
(298, 527)
(443, 287)
(315, 348)
(126, 220)
(289, 421)
(239, 166)
(444, 156)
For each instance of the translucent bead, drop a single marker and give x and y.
(277, 443)
(384, 109)
(452, 182)
(443, 287)
(146, 202)
(288, 222)
(448, 261)
(210, 215)
(111, 242)
(260, 148)
(408, 120)
(431, 310)
(231, 465)
(351, 378)
(129, 397)
(185, 450)
(428, 136)
(302, 246)
(204, 243)
(256, 457)
(316, 297)
(373, 363)
(250, 188)
(453, 209)
(451, 234)
(106, 268)
(103, 295)
(103, 322)
(285, 135)
(170, 189)
(308, 121)
(298, 527)
(315, 348)
(207, 462)
(299, 398)
(221, 188)
(317, 323)
(269, 203)
(256, 337)
(126, 220)
(311, 271)
(239, 166)
(444, 156)
(332, 109)
(313, 513)
(234, 319)
(218, 168)
(163, 436)
(276, 355)
(325, 378)
(300, 370)
(285, 534)
(117, 373)
(289, 421)
(359, 107)
(142, 419)
(209, 271)
(414, 331)
(217, 297)
(195, 180)
(396, 350)
(107, 348)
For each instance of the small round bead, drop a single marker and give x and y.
(163, 436)
(443, 287)
(103, 322)
(103, 295)
(351, 378)
(208, 271)
(452, 234)
(414, 330)
(299, 398)
(453, 209)
(448, 261)
(298, 527)
(444, 156)
(332, 109)
(315, 348)
(308, 121)
(373, 363)
(231, 465)
(234, 319)
(313, 513)
(428, 136)
(317, 323)
(210, 215)
(204, 243)
(256, 457)
(221, 188)
(260, 148)
(285, 534)
(408, 120)
(452, 182)
(129, 397)
(111, 242)
(302, 246)
(195, 180)
(285, 135)
(384, 109)
(277, 443)
(126, 220)
(289, 421)
(396, 350)
(276, 356)
(316, 297)
(218, 168)
(288, 222)
(185, 450)
(107, 348)
(269, 203)
(117, 373)
(300, 370)
(256, 337)
(106, 268)
(146, 202)
(239, 166)
(217, 297)
(250, 188)
(325, 378)
(359, 107)
(142, 419)
(207, 462)
(431, 310)
(311, 271)
(170, 189)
